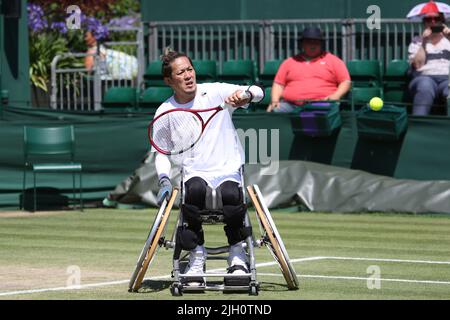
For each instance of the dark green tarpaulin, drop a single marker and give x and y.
(112, 145)
(312, 186)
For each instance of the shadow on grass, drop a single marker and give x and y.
(149, 286)
(273, 287)
(152, 286)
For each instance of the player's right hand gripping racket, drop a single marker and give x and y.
(178, 130)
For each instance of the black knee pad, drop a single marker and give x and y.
(195, 192)
(191, 215)
(234, 220)
(231, 193)
(236, 234)
(187, 239)
(234, 215)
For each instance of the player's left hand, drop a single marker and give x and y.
(235, 100)
(165, 190)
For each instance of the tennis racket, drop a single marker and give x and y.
(177, 130)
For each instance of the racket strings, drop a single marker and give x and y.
(176, 132)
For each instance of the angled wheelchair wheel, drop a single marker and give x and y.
(152, 243)
(272, 238)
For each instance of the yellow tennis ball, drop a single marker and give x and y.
(376, 104)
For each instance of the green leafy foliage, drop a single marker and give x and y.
(124, 7)
(46, 41)
(43, 49)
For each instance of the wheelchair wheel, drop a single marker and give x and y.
(272, 238)
(152, 243)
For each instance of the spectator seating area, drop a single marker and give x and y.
(369, 78)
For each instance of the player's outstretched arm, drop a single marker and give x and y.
(245, 95)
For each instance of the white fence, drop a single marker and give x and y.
(82, 89)
(257, 40)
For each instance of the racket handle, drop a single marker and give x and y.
(245, 95)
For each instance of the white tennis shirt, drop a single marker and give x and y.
(218, 155)
(438, 56)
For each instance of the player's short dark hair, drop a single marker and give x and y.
(167, 58)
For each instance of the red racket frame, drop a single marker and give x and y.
(193, 111)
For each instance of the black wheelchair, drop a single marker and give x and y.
(269, 237)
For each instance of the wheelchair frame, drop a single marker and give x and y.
(269, 237)
(214, 215)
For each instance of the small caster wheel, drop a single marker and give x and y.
(253, 289)
(176, 290)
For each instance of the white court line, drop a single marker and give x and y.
(272, 263)
(102, 284)
(357, 278)
(387, 260)
(260, 265)
(85, 286)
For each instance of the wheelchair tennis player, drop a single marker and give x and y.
(214, 161)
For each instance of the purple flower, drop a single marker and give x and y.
(98, 30)
(36, 20)
(60, 27)
(123, 22)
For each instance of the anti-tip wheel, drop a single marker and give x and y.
(253, 290)
(176, 290)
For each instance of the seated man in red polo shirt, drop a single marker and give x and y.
(313, 74)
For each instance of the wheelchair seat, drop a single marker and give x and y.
(213, 212)
(212, 216)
